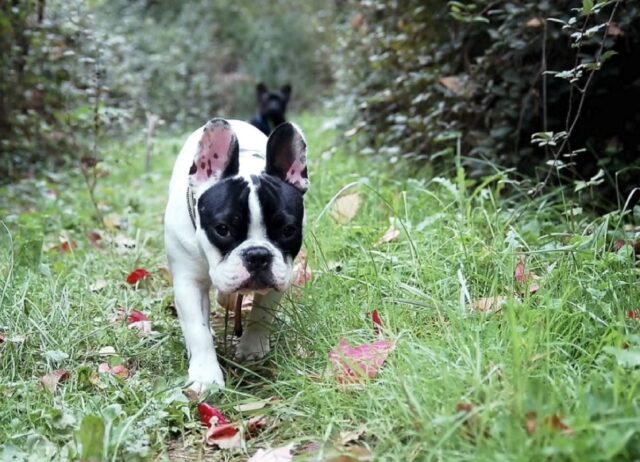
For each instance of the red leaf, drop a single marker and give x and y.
(354, 364)
(67, 246)
(377, 322)
(52, 379)
(231, 435)
(208, 412)
(138, 275)
(94, 238)
(136, 316)
(633, 314)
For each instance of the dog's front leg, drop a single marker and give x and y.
(192, 304)
(254, 343)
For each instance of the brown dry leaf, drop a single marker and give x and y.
(53, 378)
(95, 238)
(119, 370)
(453, 83)
(351, 436)
(488, 304)
(614, 30)
(391, 234)
(254, 405)
(166, 275)
(555, 423)
(534, 22)
(301, 271)
(98, 285)
(345, 207)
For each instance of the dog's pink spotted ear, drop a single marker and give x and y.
(287, 156)
(218, 154)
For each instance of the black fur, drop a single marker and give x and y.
(282, 207)
(272, 107)
(226, 203)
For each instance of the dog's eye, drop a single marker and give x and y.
(288, 231)
(222, 230)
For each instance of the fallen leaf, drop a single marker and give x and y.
(345, 207)
(354, 364)
(488, 304)
(67, 246)
(139, 321)
(254, 405)
(530, 422)
(614, 30)
(633, 314)
(118, 316)
(391, 234)
(301, 271)
(524, 277)
(556, 424)
(1, 337)
(453, 83)
(138, 275)
(620, 243)
(98, 285)
(119, 370)
(95, 239)
(534, 22)
(351, 436)
(208, 413)
(136, 316)
(107, 351)
(281, 454)
(53, 378)
(519, 273)
(351, 454)
(377, 322)
(231, 435)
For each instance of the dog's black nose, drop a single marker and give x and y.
(257, 258)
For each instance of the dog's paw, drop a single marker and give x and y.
(202, 378)
(252, 347)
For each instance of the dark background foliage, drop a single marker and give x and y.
(423, 75)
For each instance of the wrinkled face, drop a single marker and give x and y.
(250, 229)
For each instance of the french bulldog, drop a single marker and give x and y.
(234, 222)
(272, 107)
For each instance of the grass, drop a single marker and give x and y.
(461, 385)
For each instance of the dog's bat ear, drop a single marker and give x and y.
(287, 156)
(286, 91)
(261, 89)
(217, 155)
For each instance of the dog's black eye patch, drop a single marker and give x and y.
(224, 213)
(282, 211)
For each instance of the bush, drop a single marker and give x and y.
(426, 72)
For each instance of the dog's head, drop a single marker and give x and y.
(272, 104)
(250, 229)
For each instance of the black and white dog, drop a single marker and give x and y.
(233, 221)
(272, 107)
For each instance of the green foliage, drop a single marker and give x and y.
(188, 61)
(423, 71)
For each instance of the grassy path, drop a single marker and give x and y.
(461, 385)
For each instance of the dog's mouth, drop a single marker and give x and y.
(257, 283)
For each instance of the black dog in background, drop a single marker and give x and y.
(272, 106)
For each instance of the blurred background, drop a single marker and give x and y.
(401, 79)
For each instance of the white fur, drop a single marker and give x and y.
(196, 265)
